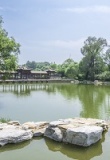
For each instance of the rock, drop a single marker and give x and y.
(7, 126)
(77, 122)
(2, 125)
(76, 82)
(14, 135)
(16, 123)
(40, 129)
(40, 125)
(79, 131)
(83, 136)
(37, 128)
(38, 132)
(13, 132)
(29, 125)
(96, 82)
(34, 125)
(54, 133)
(57, 123)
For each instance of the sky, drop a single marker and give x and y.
(54, 30)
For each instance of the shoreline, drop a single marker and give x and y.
(36, 81)
(72, 81)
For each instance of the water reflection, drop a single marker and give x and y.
(94, 99)
(10, 147)
(37, 102)
(76, 152)
(91, 97)
(70, 151)
(26, 89)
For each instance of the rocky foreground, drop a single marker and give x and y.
(78, 131)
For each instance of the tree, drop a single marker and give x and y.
(72, 70)
(31, 65)
(53, 66)
(9, 50)
(10, 63)
(38, 65)
(107, 58)
(69, 69)
(92, 62)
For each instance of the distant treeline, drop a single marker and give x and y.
(95, 63)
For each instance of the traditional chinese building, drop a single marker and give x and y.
(25, 73)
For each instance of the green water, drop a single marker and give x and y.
(49, 102)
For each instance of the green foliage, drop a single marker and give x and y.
(42, 66)
(105, 76)
(31, 65)
(53, 66)
(68, 69)
(92, 62)
(107, 58)
(38, 65)
(72, 71)
(9, 50)
(61, 70)
(11, 63)
(4, 120)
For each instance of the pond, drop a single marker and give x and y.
(49, 102)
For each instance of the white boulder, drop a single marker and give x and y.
(78, 131)
(37, 128)
(34, 125)
(83, 136)
(13, 135)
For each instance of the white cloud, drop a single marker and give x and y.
(92, 9)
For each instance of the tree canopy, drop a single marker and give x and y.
(9, 50)
(93, 52)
